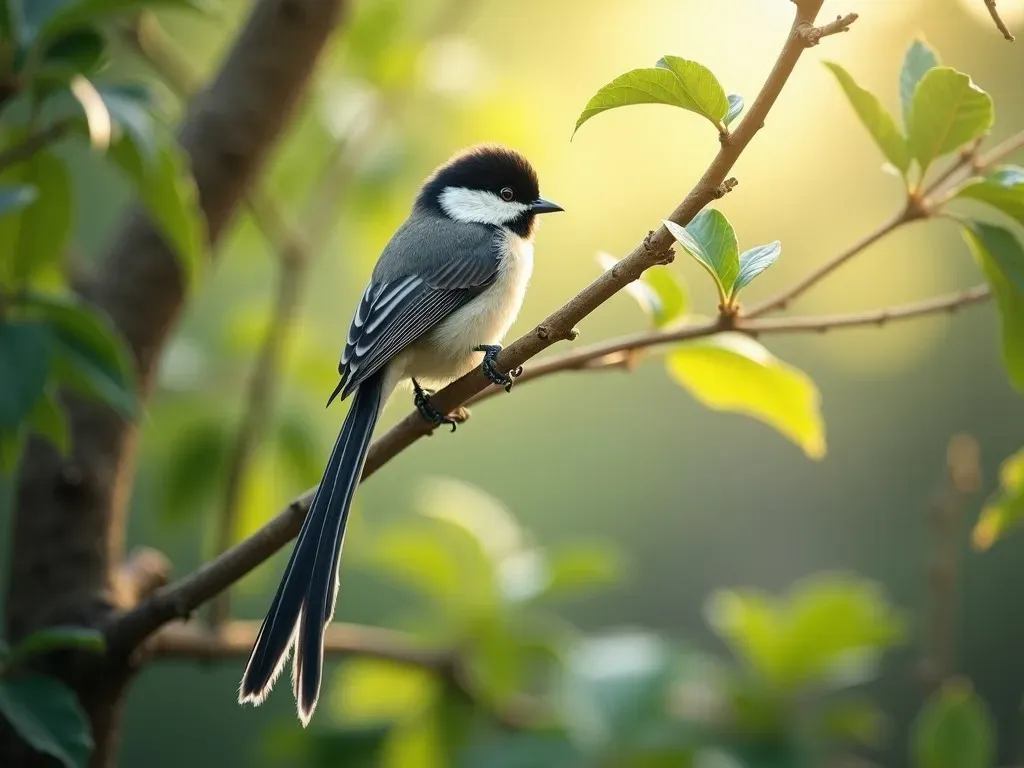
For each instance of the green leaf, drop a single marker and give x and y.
(169, 193)
(710, 239)
(754, 262)
(661, 296)
(24, 359)
(830, 630)
(700, 85)
(84, 13)
(735, 107)
(875, 118)
(674, 81)
(81, 51)
(732, 372)
(1001, 258)
(919, 59)
(948, 111)
(14, 198)
(1003, 189)
(954, 730)
(58, 639)
(35, 238)
(581, 567)
(48, 419)
(194, 468)
(1005, 510)
(46, 713)
(89, 353)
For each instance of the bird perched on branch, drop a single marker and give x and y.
(445, 290)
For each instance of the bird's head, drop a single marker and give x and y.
(487, 184)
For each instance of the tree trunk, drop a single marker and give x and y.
(69, 515)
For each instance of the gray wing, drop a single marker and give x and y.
(430, 268)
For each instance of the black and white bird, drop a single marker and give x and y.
(445, 290)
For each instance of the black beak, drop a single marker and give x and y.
(540, 205)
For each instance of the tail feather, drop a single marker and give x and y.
(304, 603)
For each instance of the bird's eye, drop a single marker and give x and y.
(507, 194)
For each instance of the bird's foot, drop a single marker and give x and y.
(421, 399)
(490, 367)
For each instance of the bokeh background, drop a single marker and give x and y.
(692, 499)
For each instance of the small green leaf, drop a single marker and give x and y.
(754, 262)
(829, 630)
(1005, 510)
(58, 639)
(89, 352)
(1003, 189)
(46, 713)
(35, 238)
(24, 359)
(948, 111)
(732, 372)
(710, 239)
(875, 118)
(735, 108)
(48, 419)
(169, 193)
(675, 82)
(1001, 258)
(919, 59)
(14, 198)
(954, 730)
(194, 468)
(661, 296)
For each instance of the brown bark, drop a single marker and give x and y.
(69, 520)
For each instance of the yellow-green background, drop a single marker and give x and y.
(695, 499)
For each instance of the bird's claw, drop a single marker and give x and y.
(421, 399)
(490, 367)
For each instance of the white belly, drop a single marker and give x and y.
(446, 352)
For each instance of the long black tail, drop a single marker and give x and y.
(304, 603)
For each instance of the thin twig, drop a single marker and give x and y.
(812, 35)
(1000, 25)
(33, 143)
(179, 599)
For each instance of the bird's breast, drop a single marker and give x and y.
(484, 320)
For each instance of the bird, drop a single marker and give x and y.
(444, 291)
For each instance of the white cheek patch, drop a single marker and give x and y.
(479, 206)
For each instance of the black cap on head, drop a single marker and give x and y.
(485, 167)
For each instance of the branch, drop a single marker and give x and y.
(236, 638)
(1000, 25)
(178, 600)
(184, 596)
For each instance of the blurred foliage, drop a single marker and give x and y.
(526, 688)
